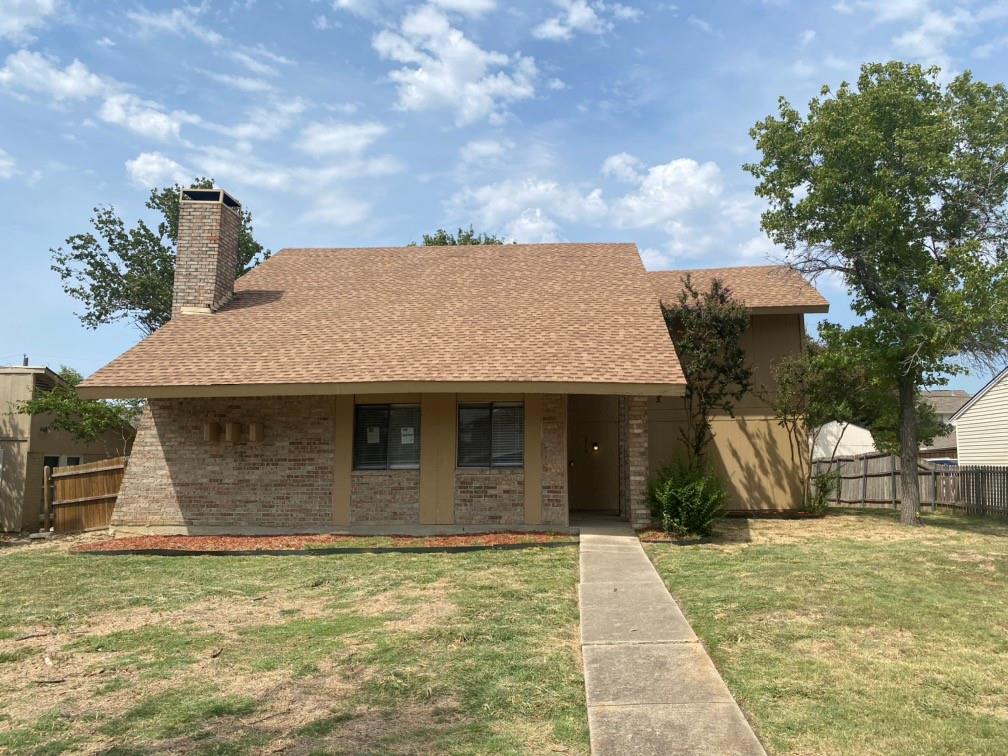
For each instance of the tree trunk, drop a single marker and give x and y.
(909, 448)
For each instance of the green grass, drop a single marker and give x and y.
(441, 652)
(852, 634)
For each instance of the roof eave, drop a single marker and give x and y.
(382, 387)
(789, 309)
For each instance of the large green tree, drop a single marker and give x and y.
(898, 186)
(120, 273)
(85, 419)
(443, 238)
(826, 382)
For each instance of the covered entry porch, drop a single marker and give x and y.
(607, 457)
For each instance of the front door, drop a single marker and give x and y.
(593, 453)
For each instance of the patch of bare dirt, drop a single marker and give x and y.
(20, 542)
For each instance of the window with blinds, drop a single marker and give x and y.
(386, 437)
(491, 434)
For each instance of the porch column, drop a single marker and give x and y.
(633, 460)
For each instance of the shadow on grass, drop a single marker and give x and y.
(944, 518)
(333, 550)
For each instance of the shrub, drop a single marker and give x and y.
(822, 488)
(687, 499)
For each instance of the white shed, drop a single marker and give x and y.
(842, 440)
(982, 425)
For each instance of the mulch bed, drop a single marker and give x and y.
(281, 543)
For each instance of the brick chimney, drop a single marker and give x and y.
(207, 259)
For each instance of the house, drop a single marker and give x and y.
(451, 387)
(982, 424)
(945, 402)
(28, 444)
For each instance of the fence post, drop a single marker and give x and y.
(892, 479)
(46, 496)
(864, 481)
(934, 490)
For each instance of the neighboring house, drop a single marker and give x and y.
(945, 402)
(982, 425)
(28, 444)
(474, 387)
(835, 440)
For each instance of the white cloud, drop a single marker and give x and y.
(241, 83)
(443, 69)
(258, 60)
(705, 26)
(531, 227)
(928, 29)
(575, 16)
(264, 121)
(806, 37)
(501, 204)
(626, 13)
(668, 191)
(18, 18)
(467, 7)
(321, 22)
(183, 21)
(482, 151)
(144, 117)
(683, 199)
(31, 71)
(336, 210)
(338, 138)
(556, 84)
(180, 21)
(7, 165)
(154, 169)
(622, 166)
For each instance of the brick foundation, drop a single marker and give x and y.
(385, 496)
(489, 497)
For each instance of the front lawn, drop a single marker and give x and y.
(367, 646)
(853, 634)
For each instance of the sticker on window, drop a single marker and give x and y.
(374, 434)
(408, 436)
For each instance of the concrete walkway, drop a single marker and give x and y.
(651, 687)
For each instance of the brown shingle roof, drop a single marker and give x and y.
(763, 288)
(532, 314)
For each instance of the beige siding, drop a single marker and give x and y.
(982, 431)
(752, 453)
(26, 441)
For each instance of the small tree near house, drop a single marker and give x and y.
(85, 419)
(899, 187)
(707, 328)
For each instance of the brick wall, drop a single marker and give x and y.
(385, 496)
(207, 258)
(175, 478)
(633, 453)
(554, 460)
(490, 497)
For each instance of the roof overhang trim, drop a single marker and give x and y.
(384, 387)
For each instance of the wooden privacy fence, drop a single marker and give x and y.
(874, 480)
(81, 497)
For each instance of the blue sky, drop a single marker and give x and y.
(369, 122)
